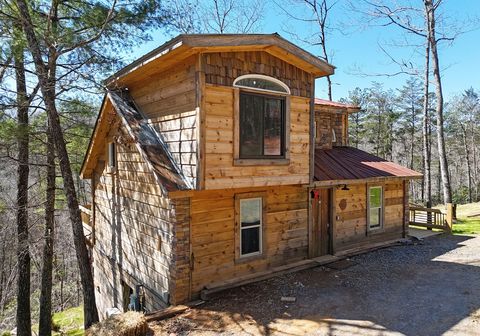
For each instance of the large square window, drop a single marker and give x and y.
(262, 126)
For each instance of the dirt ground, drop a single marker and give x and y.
(429, 288)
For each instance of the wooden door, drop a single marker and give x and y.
(321, 212)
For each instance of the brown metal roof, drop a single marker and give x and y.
(330, 103)
(348, 163)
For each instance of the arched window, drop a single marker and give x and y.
(261, 83)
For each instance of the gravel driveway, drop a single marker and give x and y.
(430, 288)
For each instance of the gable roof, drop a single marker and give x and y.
(186, 45)
(148, 141)
(347, 164)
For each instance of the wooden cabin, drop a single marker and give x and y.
(212, 164)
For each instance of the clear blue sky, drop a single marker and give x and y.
(356, 50)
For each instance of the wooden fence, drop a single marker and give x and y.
(432, 218)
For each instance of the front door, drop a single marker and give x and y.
(321, 229)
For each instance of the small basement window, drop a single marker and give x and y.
(375, 207)
(251, 222)
(112, 155)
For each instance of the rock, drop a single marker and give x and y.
(288, 299)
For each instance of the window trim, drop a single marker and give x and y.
(264, 77)
(267, 161)
(239, 257)
(382, 207)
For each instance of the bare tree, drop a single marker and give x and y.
(430, 8)
(218, 16)
(315, 13)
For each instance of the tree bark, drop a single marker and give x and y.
(23, 253)
(47, 86)
(45, 319)
(427, 172)
(446, 186)
(467, 158)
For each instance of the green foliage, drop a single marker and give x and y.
(69, 322)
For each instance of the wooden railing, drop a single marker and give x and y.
(432, 218)
(86, 212)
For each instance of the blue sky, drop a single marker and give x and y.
(357, 55)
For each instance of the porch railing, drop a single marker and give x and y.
(432, 218)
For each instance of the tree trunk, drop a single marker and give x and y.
(467, 158)
(427, 171)
(45, 319)
(442, 155)
(46, 77)
(23, 253)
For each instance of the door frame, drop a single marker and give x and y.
(316, 246)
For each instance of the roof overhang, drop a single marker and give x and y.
(184, 46)
(332, 106)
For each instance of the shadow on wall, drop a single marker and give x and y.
(425, 289)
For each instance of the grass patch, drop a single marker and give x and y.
(465, 224)
(69, 322)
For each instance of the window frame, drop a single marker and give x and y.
(382, 207)
(268, 160)
(239, 257)
(282, 131)
(264, 77)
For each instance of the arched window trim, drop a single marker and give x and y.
(271, 79)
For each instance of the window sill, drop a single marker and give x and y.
(111, 170)
(261, 162)
(243, 260)
(376, 231)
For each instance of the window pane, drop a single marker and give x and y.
(375, 217)
(260, 83)
(251, 125)
(272, 144)
(375, 197)
(250, 240)
(250, 212)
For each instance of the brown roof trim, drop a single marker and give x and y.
(330, 103)
(203, 42)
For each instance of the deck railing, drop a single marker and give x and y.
(432, 218)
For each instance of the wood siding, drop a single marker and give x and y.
(213, 231)
(134, 233)
(350, 211)
(168, 100)
(223, 68)
(220, 171)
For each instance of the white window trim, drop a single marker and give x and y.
(334, 135)
(381, 207)
(268, 78)
(260, 226)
